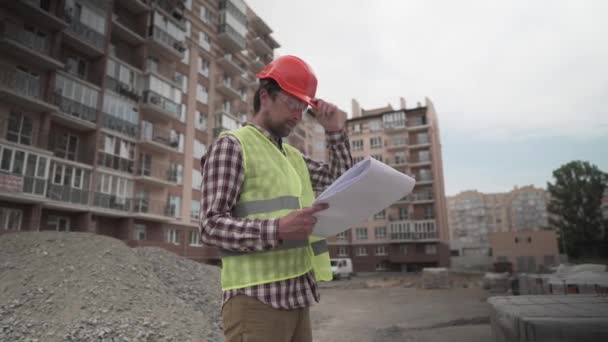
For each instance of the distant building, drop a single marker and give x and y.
(528, 251)
(412, 233)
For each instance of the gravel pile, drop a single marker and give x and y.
(85, 287)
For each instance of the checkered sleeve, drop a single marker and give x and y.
(322, 174)
(223, 175)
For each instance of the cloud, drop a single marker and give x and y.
(497, 70)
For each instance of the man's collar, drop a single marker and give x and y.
(278, 141)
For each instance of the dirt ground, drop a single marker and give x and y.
(394, 308)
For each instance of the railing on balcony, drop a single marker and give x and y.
(85, 33)
(159, 135)
(165, 38)
(422, 196)
(424, 178)
(21, 36)
(67, 194)
(156, 170)
(122, 88)
(115, 162)
(20, 81)
(233, 34)
(73, 108)
(113, 202)
(145, 205)
(120, 125)
(25, 184)
(152, 97)
(413, 230)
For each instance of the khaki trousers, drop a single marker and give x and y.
(246, 319)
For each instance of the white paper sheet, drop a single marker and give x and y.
(365, 189)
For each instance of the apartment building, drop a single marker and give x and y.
(527, 251)
(474, 216)
(106, 108)
(412, 233)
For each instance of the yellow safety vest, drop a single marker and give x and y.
(274, 185)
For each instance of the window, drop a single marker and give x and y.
(342, 236)
(86, 16)
(67, 146)
(516, 240)
(182, 80)
(357, 159)
(428, 212)
(195, 209)
(186, 58)
(381, 215)
(430, 249)
(375, 142)
(19, 129)
(205, 15)
(203, 66)
(400, 158)
(380, 250)
(77, 66)
(356, 128)
(195, 238)
(175, 203)
(403, 214)
(381, 266)
(197, 179)
(199, 149)
(375, 126)
(424, 156)
(10, 219)
(201, 94)
(361, 233)
(204, 41)
(361, 251)
(342, 251)
(403, 249)
(398, 140)
(357, 145)
(201, 121)
(176, 172)
(394, 120)
(68, 176)
(188, 4)
(59, 223)
(380, 232)
(76, 91)
(172, 236)
(422, 138)
(140, 232)
(378, 157)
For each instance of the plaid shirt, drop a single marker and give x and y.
(223, 177)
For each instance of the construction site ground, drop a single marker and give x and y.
(394, 307)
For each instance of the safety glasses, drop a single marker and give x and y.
(292, 103)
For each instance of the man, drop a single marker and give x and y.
(256, 206)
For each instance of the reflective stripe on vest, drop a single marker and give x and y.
(318, 247)
(265, 206)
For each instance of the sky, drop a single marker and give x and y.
(520, 87)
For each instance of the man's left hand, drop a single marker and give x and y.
(329, 116)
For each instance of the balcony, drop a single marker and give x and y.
(22, 186)
(423, 179)
(260, 26)
(121, 88)
(396, 146)
(69, 195)
(84, 39)
(226, 88)
(421, 161)
(175, 9)
(422, 197)
(166, 44)
(33, 11)
(398, 163)
(413, 231)
(74, 114)
(158, 139)
(230, 66)
(112, 202)
(146, 208)
(418, 124)
(261, 46)
(420, 143)
(156, 174)
(229, 39)
(136, 6)
(257, 64)
(115, 162)
(27, 46)
(23, 90)
(119, 125)
(160, 107)
(124, 32)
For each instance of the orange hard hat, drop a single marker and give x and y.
(293, 76)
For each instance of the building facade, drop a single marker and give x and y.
(527, 251)
(474, 216)
(106, 108)
(412, 233)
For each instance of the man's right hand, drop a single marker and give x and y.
(298, 224)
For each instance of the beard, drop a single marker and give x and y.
(279, 129)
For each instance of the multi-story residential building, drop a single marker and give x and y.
(473, 216)
(411, 233)
(106, 108)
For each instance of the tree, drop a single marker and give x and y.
(575, 208)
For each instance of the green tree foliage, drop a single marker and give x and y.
(575, 208)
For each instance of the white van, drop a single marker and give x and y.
(342, 268)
